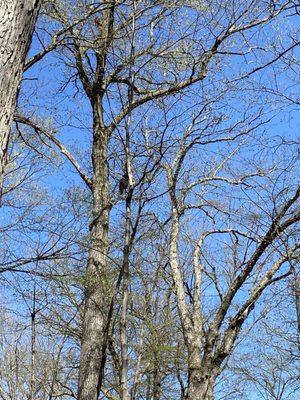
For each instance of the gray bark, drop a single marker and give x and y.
(95, 324)
(17, 18)
(90, 375)
(200, 387)
(202, 371)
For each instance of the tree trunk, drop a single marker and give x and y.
(17, 23)
(157, 377)
(200, 388)
(201, 376)
(297, 301)
(201, 384)
(90, 369)
(33, 346)
(124, 309)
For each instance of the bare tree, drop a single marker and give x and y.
(143, 69)
(210, 341)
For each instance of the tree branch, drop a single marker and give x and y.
(23, 120)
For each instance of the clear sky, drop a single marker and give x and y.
(49, 93)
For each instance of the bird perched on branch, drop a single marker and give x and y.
(123, 185)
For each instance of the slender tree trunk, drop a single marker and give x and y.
(90, 370)
(55, 373)
(126, 253)
(33, 341)
(157, 376)
(124, 311)
(296, 288)
(138, 372)
(17, 23)
(126, 281)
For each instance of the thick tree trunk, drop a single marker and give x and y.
(200, 388)
(17, 23)
(90, 369)
(201, 375)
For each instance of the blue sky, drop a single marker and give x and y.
(69, 112)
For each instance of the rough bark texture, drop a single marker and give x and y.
(17, 23)
(200, 388)
(202, 370)
(92, 356)
(93, 320)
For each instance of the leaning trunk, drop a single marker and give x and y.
(90, 369)
(17, 23)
